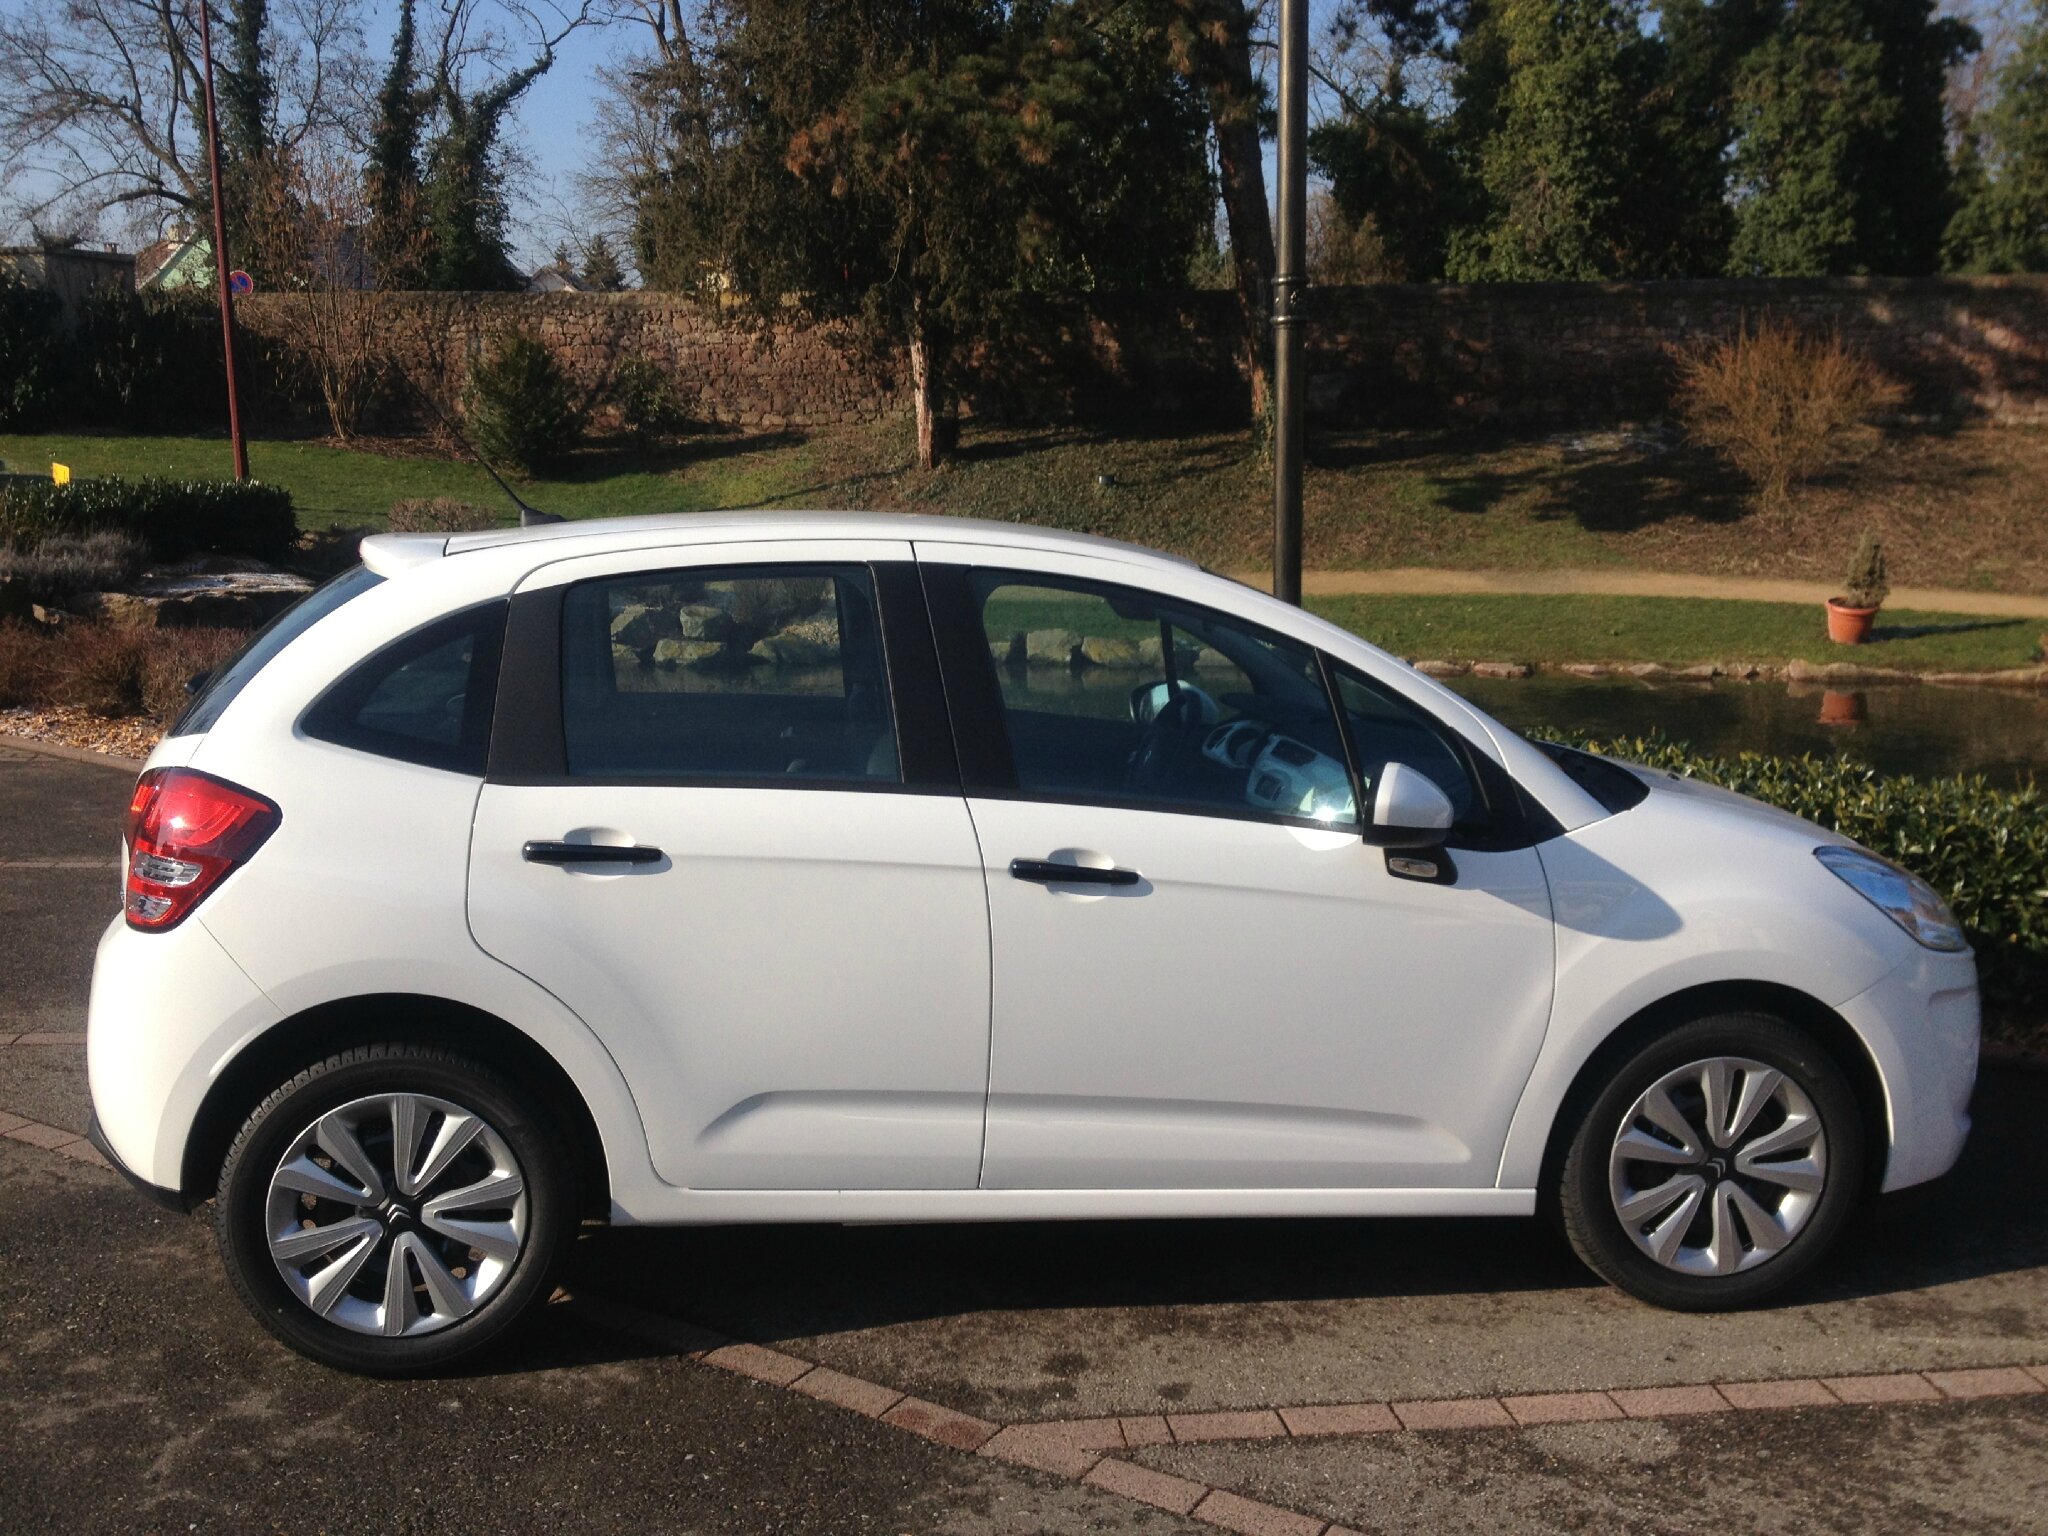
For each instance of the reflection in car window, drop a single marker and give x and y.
(770, 673)
(1387, 729)
(1117, 695)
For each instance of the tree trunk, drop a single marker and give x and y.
(938, 426)
(1233, 115)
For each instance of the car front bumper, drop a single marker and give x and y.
(1921, 1023)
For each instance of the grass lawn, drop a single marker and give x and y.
(1677, 631)
(1967, 507)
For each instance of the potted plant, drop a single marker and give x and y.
(1850, 615)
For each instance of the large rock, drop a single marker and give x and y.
(1051, 647)
(685, 653)
(228, 600)
(642, 627)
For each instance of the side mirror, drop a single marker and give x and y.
(1408, 810)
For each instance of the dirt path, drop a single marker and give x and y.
(1424, 581)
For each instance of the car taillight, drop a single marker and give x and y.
(186, 830)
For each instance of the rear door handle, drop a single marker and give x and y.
(589, 853)
(1045, 872)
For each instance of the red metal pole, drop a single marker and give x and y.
(220, 251)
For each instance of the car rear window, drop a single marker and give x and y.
(425, 698)
(225, 682)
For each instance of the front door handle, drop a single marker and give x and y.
(589, 853)
(1045, 872)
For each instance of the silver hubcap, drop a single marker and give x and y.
(396, 1214)
(1718, 1166)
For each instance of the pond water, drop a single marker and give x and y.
(1913, 728)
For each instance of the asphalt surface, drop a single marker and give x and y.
(136, 1395)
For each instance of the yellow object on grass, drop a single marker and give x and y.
(61, 473)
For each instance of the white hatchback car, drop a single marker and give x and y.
(811, 867)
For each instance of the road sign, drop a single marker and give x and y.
(241, 283)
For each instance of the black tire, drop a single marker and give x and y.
(242, 1215)
(1587, 1205)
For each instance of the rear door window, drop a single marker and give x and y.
(738, 675)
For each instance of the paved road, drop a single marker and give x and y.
(137, 1396)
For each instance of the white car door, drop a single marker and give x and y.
(1203, 976)
(727, 831)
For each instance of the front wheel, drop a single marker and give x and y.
(1716, 1166)
(393, 1209)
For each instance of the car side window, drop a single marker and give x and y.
(737, 675)
(1385, 728)
(1121, 696)
(425, 698)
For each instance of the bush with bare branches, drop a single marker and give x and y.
(1775, 400)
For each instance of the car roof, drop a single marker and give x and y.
(390, 552)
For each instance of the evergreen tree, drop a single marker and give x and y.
(2001, 223)
(464, 191)
(1840, 160)
(247, 92)
(1565, 155)
(397, 234)
(1393, 169)
(1705, 42)
(601, 269)
(921, 166)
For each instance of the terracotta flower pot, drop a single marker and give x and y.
(1846, 625)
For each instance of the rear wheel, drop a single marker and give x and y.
(394, 1208)
(1716, 1166)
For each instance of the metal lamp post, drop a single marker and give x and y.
(1289, 281)
(220, 249)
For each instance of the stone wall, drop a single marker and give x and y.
(1536, 354)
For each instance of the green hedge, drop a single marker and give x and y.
(30, 357)
(1984, 848)
(175, 518)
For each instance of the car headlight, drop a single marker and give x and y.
(1905, 898)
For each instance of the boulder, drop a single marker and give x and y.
(1501, 669)
(703, 621)
(1051, 647)
(684, 653)
(227, 599)
(793, 648)
(1100, 651)
(642, 627)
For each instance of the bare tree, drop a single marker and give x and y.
(102, 102)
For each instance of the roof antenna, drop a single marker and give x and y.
(529, 516)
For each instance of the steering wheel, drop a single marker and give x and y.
(1169, 740)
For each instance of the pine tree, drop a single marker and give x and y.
(391, 177)
(2001, 223)
(920, 167)
(1840, 161)
(601, 269)
(1564, 155)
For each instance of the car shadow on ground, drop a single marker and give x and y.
(778, 1283)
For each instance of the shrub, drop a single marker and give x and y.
(519, 407)
(1868, 582)
(440, 514)
(174, 518)
(27, 665)
(1985, 849)
(58, 568)
(1775, 399)
(178, 656)
(99, 667)
(646, 400)
(30, 356)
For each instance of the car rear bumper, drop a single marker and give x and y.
(169, 1011)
